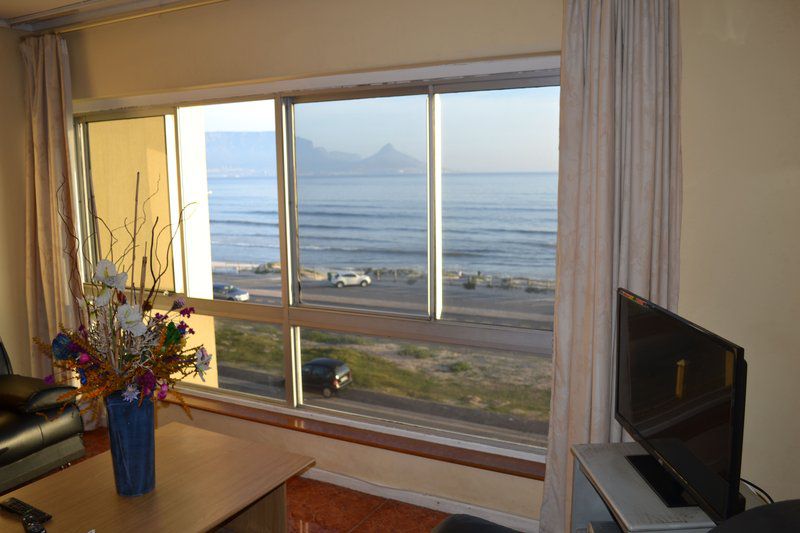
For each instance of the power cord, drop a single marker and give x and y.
(764, 495)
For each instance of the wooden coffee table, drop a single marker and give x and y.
(204, 481)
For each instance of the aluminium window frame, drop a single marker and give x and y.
(291, 314)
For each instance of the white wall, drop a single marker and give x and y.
(13, 312)
(508, 494)
(740, 252)
(242, 40)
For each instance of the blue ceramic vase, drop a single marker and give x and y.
(132, 434)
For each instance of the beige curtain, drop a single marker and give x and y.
(51, 260)
(619, 209)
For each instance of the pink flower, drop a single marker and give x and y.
(84, 358)
(162, 393)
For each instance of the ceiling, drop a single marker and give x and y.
(10, 9)
(35, 15)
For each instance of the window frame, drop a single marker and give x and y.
(291, 314)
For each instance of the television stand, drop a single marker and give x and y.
(611, 495)
(663, 484)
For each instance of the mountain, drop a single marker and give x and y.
(240, 153)
(245, 153)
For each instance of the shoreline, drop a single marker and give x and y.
(469, 280)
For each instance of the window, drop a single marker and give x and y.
(497, 394)
(229, 178)
(499, 188)
(383, 253)
(120, 154)
(362, 203)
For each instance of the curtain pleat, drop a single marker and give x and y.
(52, 279)
(619, 210)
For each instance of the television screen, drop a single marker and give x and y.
(680, 393)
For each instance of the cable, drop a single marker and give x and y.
(759, 490)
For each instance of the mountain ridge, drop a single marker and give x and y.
(245, 153)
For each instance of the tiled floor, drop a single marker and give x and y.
(316, 507)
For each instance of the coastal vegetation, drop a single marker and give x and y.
(505, 383)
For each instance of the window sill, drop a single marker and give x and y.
(485, 460)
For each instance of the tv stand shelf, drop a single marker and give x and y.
(606, 488)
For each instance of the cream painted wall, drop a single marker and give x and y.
(740, 252)
(13, 312)
(247, 40)
(243, 40)
(509, 494)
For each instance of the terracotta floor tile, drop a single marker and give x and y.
(399, 517)
(314, 506)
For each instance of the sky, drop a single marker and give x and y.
(513, 130)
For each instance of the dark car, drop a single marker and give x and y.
(230, 292)
(327, 375)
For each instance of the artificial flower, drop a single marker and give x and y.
(162, 392)
(104, 298)
(179, 303)
(84, 358)
(131, 394)
(202, 361)
(147, 382)
(130, 319)
(105, 270)
(63, 348)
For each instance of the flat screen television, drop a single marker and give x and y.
(680, 394)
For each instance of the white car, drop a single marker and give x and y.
(340, 279)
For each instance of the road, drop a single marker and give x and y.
(490, 305)
(411, 411)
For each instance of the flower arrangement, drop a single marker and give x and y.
(122, 343)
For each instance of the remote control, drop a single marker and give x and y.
(24, 509)
(31, 525)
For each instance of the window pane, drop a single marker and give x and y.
(229, 178)
(486, 393)
(499, 205)
(362, 197)
(247, 356)
(118, 149)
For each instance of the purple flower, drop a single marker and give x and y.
(187, 311)
(147, 382)
(50, 380)
(131, 394)
(84, 358)
(179, 303)
(162, 392)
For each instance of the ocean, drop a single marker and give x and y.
(498, 224)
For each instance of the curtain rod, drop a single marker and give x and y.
(131, 15)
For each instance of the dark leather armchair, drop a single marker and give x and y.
(37, 433)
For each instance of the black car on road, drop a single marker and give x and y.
(327, 375)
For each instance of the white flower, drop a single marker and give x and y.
(130, 319)
(106, 273)
(118, 281)
(104, 297)
(131, 394)
(202, 361)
